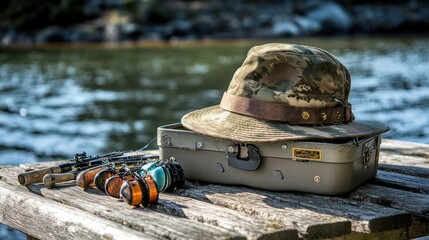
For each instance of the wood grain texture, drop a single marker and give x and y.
(142, 219)
(253, 228)
(402, 181)
(376, 210)
(93, 201)
(407, 170)
(405, 158)
(405, 148)
(364, 217)
(23, 210)
(417, 204)
(309, 224)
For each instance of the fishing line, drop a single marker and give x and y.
(147, 145)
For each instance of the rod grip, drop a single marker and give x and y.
(36, 176)
(49, 180)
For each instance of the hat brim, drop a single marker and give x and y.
(216, 122)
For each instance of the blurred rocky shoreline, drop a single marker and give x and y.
(34, 22)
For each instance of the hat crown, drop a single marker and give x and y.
(284, 92)
(293, 75)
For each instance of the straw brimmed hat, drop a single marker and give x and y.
(284, 92)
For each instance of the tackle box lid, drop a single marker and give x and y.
(333, 151)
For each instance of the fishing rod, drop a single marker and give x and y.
(79, 163)
(80, 160)
(49, 180)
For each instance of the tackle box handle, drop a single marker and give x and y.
(243, 156)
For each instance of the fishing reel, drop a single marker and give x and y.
(168, 175)
(102, 176)
(163, 175)
(140, 190)
(139, 183)
(113, 184)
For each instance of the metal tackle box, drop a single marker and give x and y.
(330, 167)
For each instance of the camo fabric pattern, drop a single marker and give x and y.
(294, 75)
(290, 82)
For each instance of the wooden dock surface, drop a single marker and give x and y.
(394, 205)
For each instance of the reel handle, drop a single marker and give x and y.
(49, 180)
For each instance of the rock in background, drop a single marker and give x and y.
(32, 21)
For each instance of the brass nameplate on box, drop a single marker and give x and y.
(308, 154)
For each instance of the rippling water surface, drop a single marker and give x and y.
(56, 102)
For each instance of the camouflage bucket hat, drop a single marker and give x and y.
(284, 92)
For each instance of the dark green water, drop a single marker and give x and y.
(55, 102)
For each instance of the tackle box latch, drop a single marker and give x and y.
(243, 156)
(369, 149)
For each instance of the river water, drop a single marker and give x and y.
(58, 101)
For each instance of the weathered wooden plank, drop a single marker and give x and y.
(309, 224)
(253, 228)
(175, 205)
(404, 157)
(405, 148)
(189, 208)
(417, 204)
(402, 181)
(408, 170)
(417, 230)
(407, 161)
(9, 174)
(403, 160)
(365, 217)
(24, 211)
(398, 157)
(141, 219)
(399, 234)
